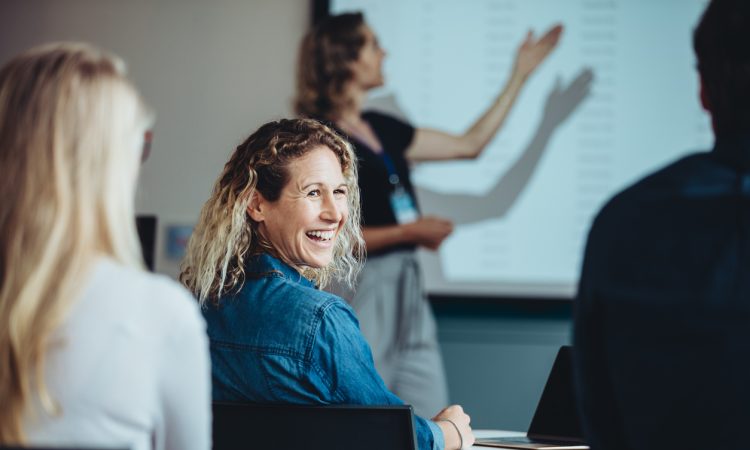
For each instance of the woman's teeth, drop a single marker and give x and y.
(321, 235)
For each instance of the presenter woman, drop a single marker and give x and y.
(339, 62)
(283, 220)
(94, 351)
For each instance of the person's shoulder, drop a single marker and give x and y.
(322, 307)
(143, 294)
(272, 292)
(690, 169)
(337, 309)
(337, 325)
(308, 297)
(395, 134)
(291, 313)
(660, 186)
(381, 119)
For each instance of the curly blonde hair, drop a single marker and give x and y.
(226, 235)
(323, 66)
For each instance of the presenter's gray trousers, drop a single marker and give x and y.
(397, 321)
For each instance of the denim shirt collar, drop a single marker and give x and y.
(265, 265)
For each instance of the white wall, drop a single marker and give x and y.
(213, 71)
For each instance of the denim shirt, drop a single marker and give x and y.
(281, 340)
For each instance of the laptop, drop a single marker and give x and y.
(555, 424)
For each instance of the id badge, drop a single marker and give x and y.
(403, 206)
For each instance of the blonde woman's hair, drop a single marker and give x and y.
(71, 132)
(324, 65)
(226, 235)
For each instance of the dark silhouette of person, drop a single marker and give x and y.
(662, 318)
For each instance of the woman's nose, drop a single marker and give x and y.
(331, 210)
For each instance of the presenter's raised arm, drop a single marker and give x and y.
(430, 144)
(427, 232)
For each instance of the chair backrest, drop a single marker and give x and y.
(294, 427)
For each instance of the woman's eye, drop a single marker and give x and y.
(340, 192)
(314, 193)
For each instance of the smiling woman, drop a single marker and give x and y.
(303, 223)
(282, 221)
(290, 183)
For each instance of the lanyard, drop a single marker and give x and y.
(390, 168)
(393, 177)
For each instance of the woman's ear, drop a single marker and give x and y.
(256, 207)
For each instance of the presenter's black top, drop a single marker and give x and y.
(662, 319)
(395, 136)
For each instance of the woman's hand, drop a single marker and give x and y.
(429, 231)
(533, 51)
(433, 145)
(454, 421)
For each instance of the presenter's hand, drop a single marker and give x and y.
(453, 420)
(533, 51)
(429, 231)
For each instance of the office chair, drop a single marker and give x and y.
(293, 427)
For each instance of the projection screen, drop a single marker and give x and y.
(523, 209)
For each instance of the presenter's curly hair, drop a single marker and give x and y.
(323, 66)
(226, 234)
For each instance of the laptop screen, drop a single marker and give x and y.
(557, 412)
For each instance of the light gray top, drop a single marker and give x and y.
(129, 367)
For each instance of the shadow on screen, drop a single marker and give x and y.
(561, 102)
